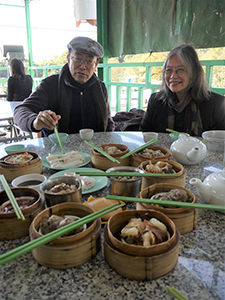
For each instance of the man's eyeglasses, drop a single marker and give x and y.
(178, 71)
(79, 61)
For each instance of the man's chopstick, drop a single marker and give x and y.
(15, 253)
(12, 199)
(123, 174)
(102, 152)
(60, 143)
(169, 203)
(176, 293)
(139, 148)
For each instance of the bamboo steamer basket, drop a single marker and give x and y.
(71, 251)
(118, 221)
(137, 158)
(10, 226)
(11, 171)
(101, 162)
(139, 267)
(179, 169)
(184, 218)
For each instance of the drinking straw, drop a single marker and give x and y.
(139, 148)
(15, 253)
(169, 203)
(102, 152)
(60, 143)
(123, 174)
(176, 293)
(12, 199)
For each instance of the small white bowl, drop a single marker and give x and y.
(148, 136)
(215, 139)
(86, 134)
(33, 181)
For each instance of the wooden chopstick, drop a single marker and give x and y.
(15, 253)
(169, 203)
(139, 148)
(102, 152)
(123, 174)
(60, 143)
(12, 199)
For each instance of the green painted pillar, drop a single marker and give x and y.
(29, 40)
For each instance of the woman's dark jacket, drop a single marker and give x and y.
(19, 90)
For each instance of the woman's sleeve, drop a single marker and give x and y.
(10, 90)
(147, 121)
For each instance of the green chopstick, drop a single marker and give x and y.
(60, 143)
(123, 174)
(102, 152)
(169, 203)
(12, 199)
(177, 132)
(15, 253)
(139, 148)
(176, 293)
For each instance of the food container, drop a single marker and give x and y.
(184, 218)
(53, 198)
(137, 158)
(12, 227)
(123, 186)
(11, 171)
(136, 262)
(101, 162)
(215, 139)
(179, 169)
(33, 181)
(69, 251)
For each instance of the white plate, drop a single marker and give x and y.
(101, 181)
(86, 157)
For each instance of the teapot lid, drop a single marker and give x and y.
(220, 175)
(187, 139)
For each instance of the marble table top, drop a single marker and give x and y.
(199, 273)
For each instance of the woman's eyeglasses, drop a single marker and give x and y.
(79, 61)
(178, 71)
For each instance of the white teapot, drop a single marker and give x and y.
(188, 150)
(212, 189)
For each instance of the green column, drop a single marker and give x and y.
(29, 40)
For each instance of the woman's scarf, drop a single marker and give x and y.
(192, 119)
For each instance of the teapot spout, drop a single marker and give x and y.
(193, 154)
(203, 190)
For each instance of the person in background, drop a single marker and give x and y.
(73, 99)
(184, 102)
(19, 84)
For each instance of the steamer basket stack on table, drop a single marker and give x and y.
(132, 207)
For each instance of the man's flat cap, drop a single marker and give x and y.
(86, 45)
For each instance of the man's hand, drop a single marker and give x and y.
(46, 119)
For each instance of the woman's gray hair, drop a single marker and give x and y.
(198, 85)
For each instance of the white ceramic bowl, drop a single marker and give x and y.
(215, 139)
(33, 181)
(86, 134)
(148, 136)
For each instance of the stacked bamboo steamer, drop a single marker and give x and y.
(11, 171)
(70, 251)
(12, 227)
(139, 262)
(100, 162)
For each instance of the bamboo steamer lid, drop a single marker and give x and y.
(179, 169)
(137, 158)
(10, 226)
(184, 218)
(12, 171)
(138, 267)
(101, 162)
(118, 221)
(71, 251)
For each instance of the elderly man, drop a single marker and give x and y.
(73, 99)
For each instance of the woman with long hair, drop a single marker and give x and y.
(19, 84)
(184, 102)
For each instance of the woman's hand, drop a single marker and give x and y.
(46, 119)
